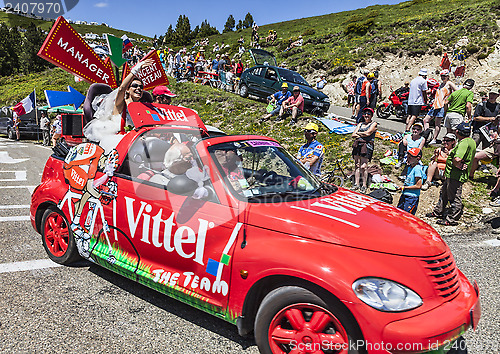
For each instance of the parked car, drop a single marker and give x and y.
(27, 127)
(247, 234)
(266, 78)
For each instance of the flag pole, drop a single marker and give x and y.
(36, 119)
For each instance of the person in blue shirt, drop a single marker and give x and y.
(413, 182)
(215, 64)
(279, 97)
(311, 153)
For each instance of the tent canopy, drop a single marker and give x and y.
(60, 109)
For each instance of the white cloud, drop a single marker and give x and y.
(101, 4)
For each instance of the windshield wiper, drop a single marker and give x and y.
(325, 187)
(281, 194)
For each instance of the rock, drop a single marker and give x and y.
(487, 211)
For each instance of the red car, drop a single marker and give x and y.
(235, 226)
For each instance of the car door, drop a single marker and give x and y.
(270, 82)
(254, 81)
(184, 245)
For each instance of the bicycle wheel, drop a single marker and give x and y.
(336, 180)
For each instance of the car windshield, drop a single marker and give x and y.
(293, 77)
(261, 170)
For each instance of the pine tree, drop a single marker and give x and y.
(10, 40)
(182, 31)
(169, 35)
(248, 21)
(206, 30)
(239, 26)
(230, 23)
(33, 40)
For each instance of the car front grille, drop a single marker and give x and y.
(443, 273)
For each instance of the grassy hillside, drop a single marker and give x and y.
(339, 42)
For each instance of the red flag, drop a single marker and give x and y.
(445, 62)
(65, 48)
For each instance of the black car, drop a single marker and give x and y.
(266, 78)
(27, 127)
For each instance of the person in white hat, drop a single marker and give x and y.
(417, 97)
(437, 110)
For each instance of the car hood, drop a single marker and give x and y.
(311, 92)
(350, 219)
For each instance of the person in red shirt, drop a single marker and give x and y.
(364, 97)
(292, 106)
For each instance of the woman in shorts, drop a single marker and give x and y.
(362, 149)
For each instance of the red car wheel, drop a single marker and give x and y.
(294, 320)
(57, 238)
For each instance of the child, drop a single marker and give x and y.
(413, 182)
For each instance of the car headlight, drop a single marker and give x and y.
(386, 295)
(327, 100)
(305, 95)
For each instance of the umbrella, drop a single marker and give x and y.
(60, 109)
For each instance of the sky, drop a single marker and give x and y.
(150, 17)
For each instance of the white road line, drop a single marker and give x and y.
(493, 242)
(45, 147)
(5, 158)
(18, 176)
(27, 265)
(15, 218)
(24, 206)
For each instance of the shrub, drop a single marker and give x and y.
(472, 48)
(309, 32)
(359, 28)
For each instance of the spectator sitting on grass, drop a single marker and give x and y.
(438, 161)
(413, 182)
(278, 97)
(414, 140)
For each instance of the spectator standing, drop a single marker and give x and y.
(413, 182)
(15, 124)
(457, 105)
(437, 165)
(214, 66)
(44, 127)
(357, 89)
(239, 68)
(311, 153)
(417, 97)
(458, 165)
(375, 91)
(437, 111)
(364, 96)
(293, 106)
(320, 85)
(362, 149)
(351, 99)
(56, 130)
(484, 114)
(222, 63)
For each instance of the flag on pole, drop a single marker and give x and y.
(127, 44)
(26, 105)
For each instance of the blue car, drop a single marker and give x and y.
(266, 78)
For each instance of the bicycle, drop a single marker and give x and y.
(333, 176)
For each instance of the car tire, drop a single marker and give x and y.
(304, 307)
(11, 134)
(243, 90)
(57, 237)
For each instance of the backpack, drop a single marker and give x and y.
(381, 194)
(359, 85)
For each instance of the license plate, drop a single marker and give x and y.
(319, 104)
